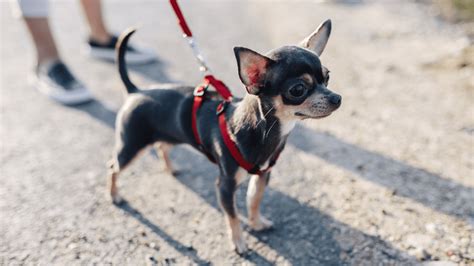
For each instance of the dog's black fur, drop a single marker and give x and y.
(286, 85)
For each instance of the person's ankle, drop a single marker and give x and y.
(102, 38)
(46, 61)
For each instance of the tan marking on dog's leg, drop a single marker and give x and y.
(240, 176)
(236, 236)
(255, 191)
(165, 149)
(112, 185)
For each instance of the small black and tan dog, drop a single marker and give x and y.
(286, 85)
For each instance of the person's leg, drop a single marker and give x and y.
(52, 77)
(35, 14)
(98, 30)
(40, 32)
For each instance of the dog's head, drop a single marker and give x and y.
(292, 77)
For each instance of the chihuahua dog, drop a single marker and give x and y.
(285, 85)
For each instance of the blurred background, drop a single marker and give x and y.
(387, 179)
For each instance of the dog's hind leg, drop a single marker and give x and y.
(113, 172)
(123, 156)
(165, 148)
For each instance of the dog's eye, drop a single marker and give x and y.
(297, 91)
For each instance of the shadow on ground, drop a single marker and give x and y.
(303, 235)
(429, 189)
(184, 250)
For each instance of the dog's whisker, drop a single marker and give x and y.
(271, 127)
(265, 115)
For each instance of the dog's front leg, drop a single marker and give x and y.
(226, 187)
(255, 191)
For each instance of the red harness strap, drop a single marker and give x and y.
(229, 143)
(221, 88)
(234, 150)
(198, 99)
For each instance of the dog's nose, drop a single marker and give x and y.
(335, 99)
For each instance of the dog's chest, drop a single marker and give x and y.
(286, 127)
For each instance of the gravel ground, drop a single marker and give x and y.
(387, 179)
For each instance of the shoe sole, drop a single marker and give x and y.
(67, 100)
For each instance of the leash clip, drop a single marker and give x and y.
(197, 54)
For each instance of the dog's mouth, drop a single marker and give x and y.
(306, 116)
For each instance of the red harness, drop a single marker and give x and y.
(222, 89)
(225, 93)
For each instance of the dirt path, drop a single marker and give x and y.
(388, 179)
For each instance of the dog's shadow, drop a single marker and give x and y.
(187, 251)
(302, 234)
(432, 190)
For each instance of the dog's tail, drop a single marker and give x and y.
(121, 48)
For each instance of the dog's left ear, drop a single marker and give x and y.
(252, 68)
(317, 40)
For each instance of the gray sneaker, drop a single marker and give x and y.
(56, 81)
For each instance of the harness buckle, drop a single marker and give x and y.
(221, 107)
(200, 90)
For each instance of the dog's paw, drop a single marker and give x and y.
(260, 224)
(176, 172)
(116, 199)
(239, 246)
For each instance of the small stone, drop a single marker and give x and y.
(390, 68)
(170, 260)
(430, 227)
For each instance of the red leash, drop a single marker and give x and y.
(224, 92)
(182, 22)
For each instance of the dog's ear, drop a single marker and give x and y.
(252, 68)
(317, 40)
